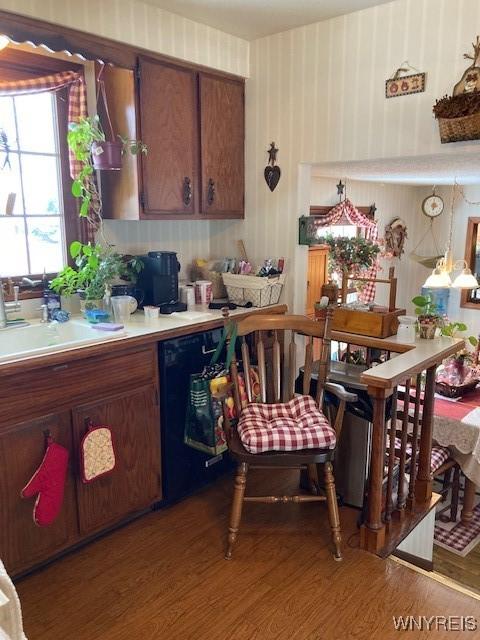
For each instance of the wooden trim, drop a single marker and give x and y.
(422, 563)
(469, 258)
(93, 47)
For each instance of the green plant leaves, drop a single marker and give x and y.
(75, 248)
(77, 188)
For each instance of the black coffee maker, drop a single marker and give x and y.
(159, 281)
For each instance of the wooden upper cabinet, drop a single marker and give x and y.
(193, 124)
(222, 145)
(168, 120)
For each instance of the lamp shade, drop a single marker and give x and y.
(465, 280)
(438, 279)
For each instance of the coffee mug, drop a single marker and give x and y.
(203, 292)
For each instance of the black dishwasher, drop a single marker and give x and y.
(184, 470)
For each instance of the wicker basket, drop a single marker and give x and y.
(451, 391)
(261, 292)
(459, 129)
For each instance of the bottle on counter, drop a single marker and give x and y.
(51, 299)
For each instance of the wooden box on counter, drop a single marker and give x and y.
(379, 323)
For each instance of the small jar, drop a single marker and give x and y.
(406, 329)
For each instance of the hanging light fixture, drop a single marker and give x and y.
(440, 277)
(465, 279)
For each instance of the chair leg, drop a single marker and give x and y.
(455, 494)
(237, 503)
(313, 479)
(333, 515)
(447, 481)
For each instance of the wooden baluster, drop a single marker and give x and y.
(401, 499)
(372, 533)
(391, 458)
(292, 366)
(246, 370)
(307, 373)
(277, 393)
(424, 481)
(413, 461)
(262, 375)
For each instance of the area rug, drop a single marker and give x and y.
(455, 536)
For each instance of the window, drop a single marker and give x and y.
(470, 298)
(32, 230)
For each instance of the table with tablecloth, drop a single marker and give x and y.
(456, 425)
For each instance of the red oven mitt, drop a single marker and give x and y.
(48, 482)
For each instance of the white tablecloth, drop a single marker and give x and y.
(463, 439)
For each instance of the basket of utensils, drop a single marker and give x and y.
(458, 376)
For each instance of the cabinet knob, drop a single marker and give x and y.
(210, 192)
(187, 191)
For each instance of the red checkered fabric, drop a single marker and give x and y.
(77, 97)
(346, 209)
(291, 426)
(439, 454)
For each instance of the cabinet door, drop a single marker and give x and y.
(22, 447)
(222, 147)
(316, 277)
(134, 484)
(168, 123)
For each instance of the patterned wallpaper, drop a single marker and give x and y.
(318, 91)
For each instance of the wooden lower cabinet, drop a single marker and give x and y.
(22, 542)
(129, 408)
(135, 482)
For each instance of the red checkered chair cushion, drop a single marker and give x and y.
(289, 426)
(439, 454)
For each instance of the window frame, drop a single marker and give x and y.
(71, 222)
(473, 229)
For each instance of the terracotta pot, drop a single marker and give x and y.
(427, 326)
(107, 155)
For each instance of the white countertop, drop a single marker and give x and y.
(137, 327)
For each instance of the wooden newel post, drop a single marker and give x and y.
(372, 534)
(424, 481)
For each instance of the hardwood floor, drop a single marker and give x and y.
(164, 577)
(465, 571)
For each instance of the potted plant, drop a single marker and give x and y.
(88, 142)
(427, 314)
(349, 256)
(96, 266)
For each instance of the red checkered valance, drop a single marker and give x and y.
(346, 209)
(77, 96)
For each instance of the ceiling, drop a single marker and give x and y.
(420, 170)
(251, 19)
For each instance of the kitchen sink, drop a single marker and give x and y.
(17, 343)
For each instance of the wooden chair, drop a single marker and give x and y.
(271, 394)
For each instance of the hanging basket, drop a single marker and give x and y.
(107, 156)
(459, 129)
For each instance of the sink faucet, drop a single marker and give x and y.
(8, 307)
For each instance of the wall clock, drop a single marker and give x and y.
(432, 206)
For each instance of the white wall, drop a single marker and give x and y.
(318, 91)
(145, 26)
(392, 201)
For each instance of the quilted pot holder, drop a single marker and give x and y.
(97, 455)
